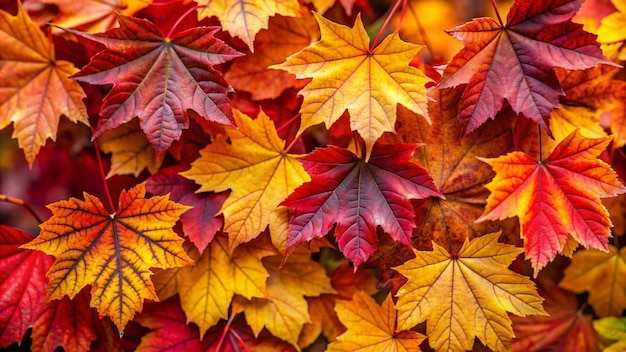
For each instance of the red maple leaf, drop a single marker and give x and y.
(515, 61)
(358, 196)
(158, 79)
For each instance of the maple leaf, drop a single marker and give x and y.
(611, 34)
(131, 150)
(200, 223)
(466, 294)
(284, 309)
(556, 197)
(22, 285)
(93, 16)
(599, 273)
(455, 170)
(35, 89)
(565, 328)
(358, 196)
(158, 79)
(349, 75)
(371, 327)
(111, 252)
(207, 289)
(245, 18)
(285, 36)
(516, 61)
(255, 167)
(612, 329)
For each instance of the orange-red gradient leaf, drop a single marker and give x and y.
(111, 252)
(34, 87)
(554, 198)
(516, 61)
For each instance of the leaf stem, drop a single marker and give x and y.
(540, 145)
(104, 179)
(495, 8)
(293, 142)
(180, 19)
(224, 332)
(16, 201)
(387, 20)
(288, 122)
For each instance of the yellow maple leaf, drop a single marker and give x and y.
(132, 152)
(347, 74)
(285, 310)
(371, 327)
(611, 34)
(207, 289)
(111, 252)
(602, 274)
(245, 18)
(257, 170)
(35, 89)
(465, 295)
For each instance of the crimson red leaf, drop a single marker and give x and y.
(358, 196)
(22, 285)
(200, 223)
(158, 79)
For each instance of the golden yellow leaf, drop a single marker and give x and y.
(602, 274)
(132, 152)
(34, 87)
(347, 74)
(111, 252)
(611, 34)
(371, 327)
(207, 289)
(466, 295)
(245, 18)
(285, 310)
(257, 170)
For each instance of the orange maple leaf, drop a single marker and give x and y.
(111, 252)
(371, 327)
(245, 18)
(349, 75)
(35, 89)
(93, 16)
(466, 294)
(556, 197)
(602, 275)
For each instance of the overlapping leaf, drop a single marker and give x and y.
(255, 167)
(565, 328)
(93, 16)
(611, 34)
(556, 197)
(284, 310)
(158, 79)
(466, 295)
(601, 274)
(35, 89)
(358, 196)
(22, 285)
(372, 327)
(131, 151)
(348, 74)
(613, 330)
(516, 61)
(200, 223)
(245, 18)
(111, 252)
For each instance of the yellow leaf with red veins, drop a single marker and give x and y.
(206, 290)
(253, 164)
(602, 274)
(372, 327)
(35, 89)
(284, 310)
(465, 295)
(131, 151)
(348, 75)
(285, 36)
(556, 197)
(245, 18)
(111, 252)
